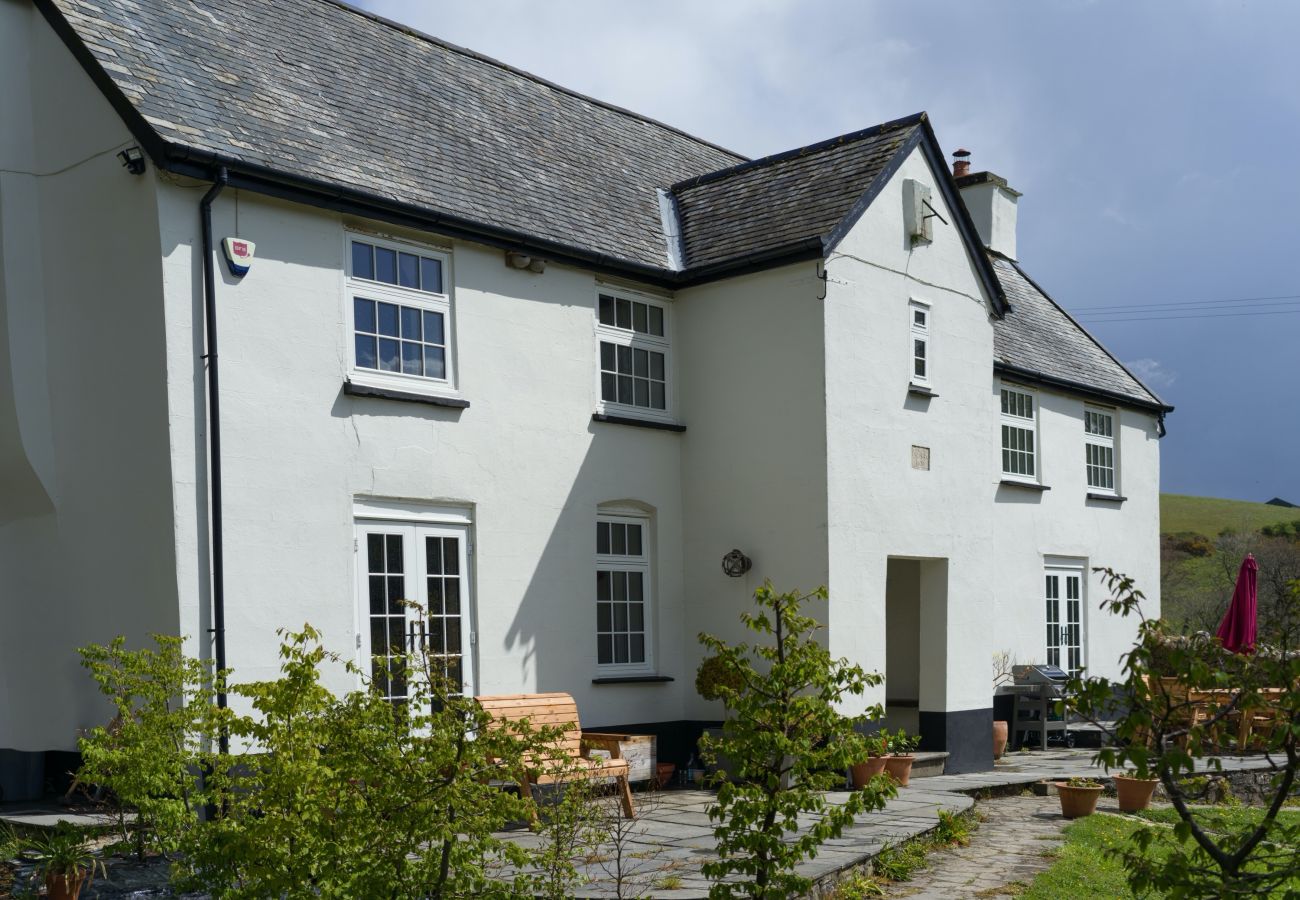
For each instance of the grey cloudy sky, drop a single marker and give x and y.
(1157, 145)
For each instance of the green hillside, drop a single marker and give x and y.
(1210, 515)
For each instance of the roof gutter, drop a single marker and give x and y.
(1052, 381)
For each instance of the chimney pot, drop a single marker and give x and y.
(961, 164)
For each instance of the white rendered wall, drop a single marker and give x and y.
(753, 458)
(85, 484)
(994, 538)
(525, 458)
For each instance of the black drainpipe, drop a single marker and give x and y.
(214, 439)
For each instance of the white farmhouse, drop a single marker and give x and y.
(535, 360)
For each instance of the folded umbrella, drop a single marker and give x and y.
(1238, 629)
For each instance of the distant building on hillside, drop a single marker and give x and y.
(1278, 501)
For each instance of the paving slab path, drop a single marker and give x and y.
(1011, 846)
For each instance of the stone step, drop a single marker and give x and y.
(928, 763)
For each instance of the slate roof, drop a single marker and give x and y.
(324, 103)
(787, 198)
(1038, 337)
(329, 93)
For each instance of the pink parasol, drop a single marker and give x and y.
(1237, 630)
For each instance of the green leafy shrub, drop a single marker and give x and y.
(1290, 530)
(359, 797)
(161, 739)
(785, 742)
(900, 743)
(325, 796)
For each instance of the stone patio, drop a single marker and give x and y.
(672, 837)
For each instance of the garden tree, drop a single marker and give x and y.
(160, 739)
(1167, 719)
(783, 744)
(358, 797)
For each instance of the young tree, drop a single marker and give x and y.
(1177, 698)
(784, 744)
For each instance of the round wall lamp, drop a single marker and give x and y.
(735, 564)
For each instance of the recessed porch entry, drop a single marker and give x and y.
(916, 641)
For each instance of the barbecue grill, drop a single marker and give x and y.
(1037, 689)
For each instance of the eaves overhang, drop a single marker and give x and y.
(1043, 379)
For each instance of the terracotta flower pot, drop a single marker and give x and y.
(59, 888)
(900, 768)
(1134, 793)
(664, 772)
(864, 771)
(1077, 802)
(999, 739)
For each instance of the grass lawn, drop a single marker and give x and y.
(1084, 868)
(1210, 515)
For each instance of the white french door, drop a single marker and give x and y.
(427, 564)
(1064, 596)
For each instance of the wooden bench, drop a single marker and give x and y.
(569, 758)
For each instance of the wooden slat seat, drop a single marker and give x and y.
(568, 758)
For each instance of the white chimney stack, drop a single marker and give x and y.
(991, 203)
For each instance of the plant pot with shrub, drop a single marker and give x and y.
(1078, 797)
(862, 773)
(64, 862)
(1134, 793)
(899, 761)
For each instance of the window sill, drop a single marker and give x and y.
(1027, 485)
(920, 390)
(633, 679)
(1106, 498)
(638, 423)
(363, 390)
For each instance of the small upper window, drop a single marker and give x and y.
(633, 339)
(1019, 435)
(1099, 449)
(400, 314)
(920, 318)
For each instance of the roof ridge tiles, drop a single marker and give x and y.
(545, 82)
(772, 159)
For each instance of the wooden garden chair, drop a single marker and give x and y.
(569, 758)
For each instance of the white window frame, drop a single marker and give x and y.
(643, 564)
(1101, 440)
(636, 340)
(1065, 616)
(920, 334)
(442, 303)
(1022, 424)
(413, 523)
